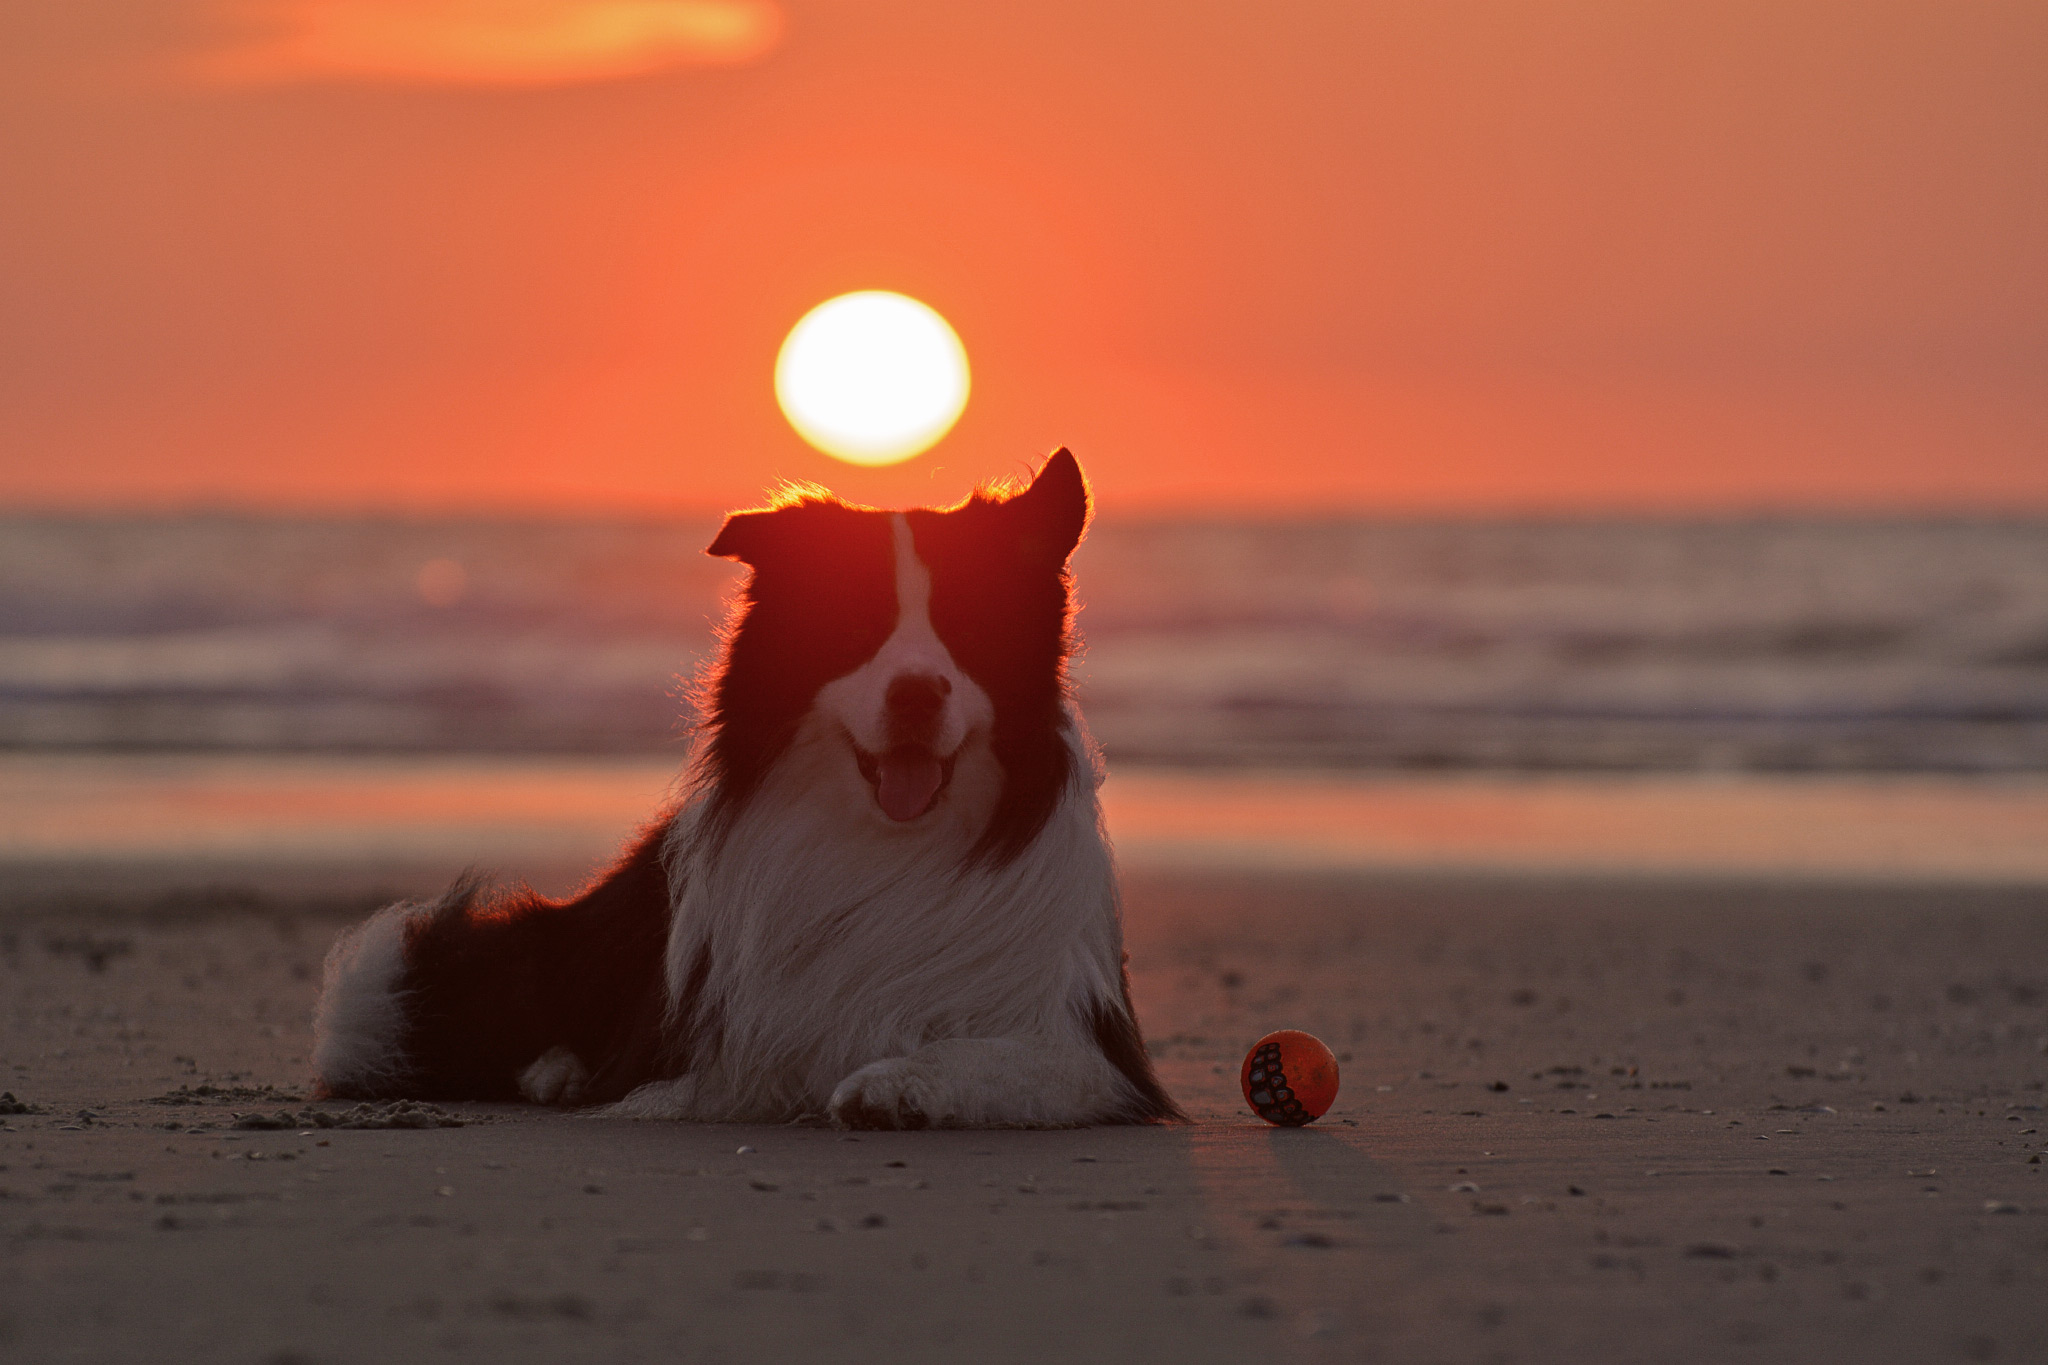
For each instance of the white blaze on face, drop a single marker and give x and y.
(908, 776)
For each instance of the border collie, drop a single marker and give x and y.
(886, 898)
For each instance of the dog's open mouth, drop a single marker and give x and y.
(908, 779)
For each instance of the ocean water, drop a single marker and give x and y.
(1770, 645)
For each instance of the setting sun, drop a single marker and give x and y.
(872, 378)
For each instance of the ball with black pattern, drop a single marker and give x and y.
(1290, 1078)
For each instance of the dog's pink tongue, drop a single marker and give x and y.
(910, 779)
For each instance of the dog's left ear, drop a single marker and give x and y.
(1053, 511)
(742, 537)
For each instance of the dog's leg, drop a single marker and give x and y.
(557, 1076)
(987, 1083)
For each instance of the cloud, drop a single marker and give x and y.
(503, 43)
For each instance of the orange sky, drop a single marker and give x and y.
(1434, 255)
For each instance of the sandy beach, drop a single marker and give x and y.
(1590, 1112)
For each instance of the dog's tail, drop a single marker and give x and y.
(501, 996)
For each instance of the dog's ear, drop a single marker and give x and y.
(1053, 511)
(743, 537)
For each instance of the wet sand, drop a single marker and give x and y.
(1584, 1117)
(297, 817)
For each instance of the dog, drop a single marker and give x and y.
(885, 899)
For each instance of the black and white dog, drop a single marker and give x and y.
(886, 898)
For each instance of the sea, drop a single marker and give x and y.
(1762, 645)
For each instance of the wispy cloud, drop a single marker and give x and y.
(481, 42)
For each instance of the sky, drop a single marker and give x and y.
(1439, 256)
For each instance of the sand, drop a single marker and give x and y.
(1600, 1118)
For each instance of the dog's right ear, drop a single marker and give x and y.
(743, 537)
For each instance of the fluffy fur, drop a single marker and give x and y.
(887, 898)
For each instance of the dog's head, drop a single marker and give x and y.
(909, 636)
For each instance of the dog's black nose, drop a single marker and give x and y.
(914, 701)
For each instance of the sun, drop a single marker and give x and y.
(872, 377)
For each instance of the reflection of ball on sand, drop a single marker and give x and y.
(1289, 1078)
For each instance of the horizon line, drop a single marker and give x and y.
(679, 510)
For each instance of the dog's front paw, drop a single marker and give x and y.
(886, 1094)
(556, 1077)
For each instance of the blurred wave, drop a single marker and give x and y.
(1763, 645)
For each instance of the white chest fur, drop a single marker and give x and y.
(833, 938)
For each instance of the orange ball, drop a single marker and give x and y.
(1290, 1078)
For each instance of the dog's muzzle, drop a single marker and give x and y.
(909, 776)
